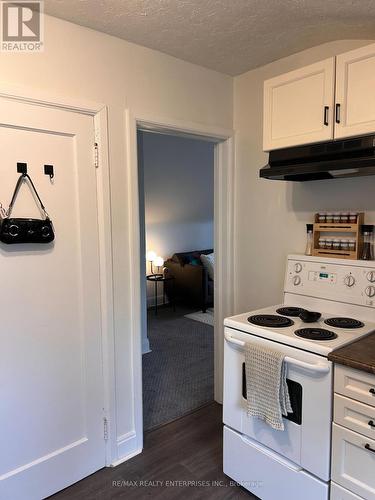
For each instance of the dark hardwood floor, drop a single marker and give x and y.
(189, 449)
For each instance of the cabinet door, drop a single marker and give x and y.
(353, 462)
(355, 96)
(298, 106)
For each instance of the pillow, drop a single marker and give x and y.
(208, 262)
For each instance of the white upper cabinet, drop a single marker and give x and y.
(298, 106)
(355, 92)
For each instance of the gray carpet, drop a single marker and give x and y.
(178, 374)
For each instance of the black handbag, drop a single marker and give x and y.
(23, 230)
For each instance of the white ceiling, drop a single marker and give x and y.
(230, 36)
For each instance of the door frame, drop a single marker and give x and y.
(224, 243)
(99, 112)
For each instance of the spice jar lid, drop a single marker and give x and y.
(367, 228)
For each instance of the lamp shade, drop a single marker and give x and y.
(151, 256)
(159, 261)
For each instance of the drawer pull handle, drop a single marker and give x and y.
(326, 111)
(371, 424)
(368, 447)
(338, 113)
(372, 391)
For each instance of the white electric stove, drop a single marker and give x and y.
(295, 463)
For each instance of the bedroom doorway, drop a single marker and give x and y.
(176, 195)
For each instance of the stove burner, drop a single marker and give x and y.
(344, 323)
(270, 320)
(315, 334)
(294, 312)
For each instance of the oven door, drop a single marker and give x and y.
(306, 438)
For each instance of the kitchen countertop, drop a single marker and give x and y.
(359, 355)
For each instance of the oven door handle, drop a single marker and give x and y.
(313, 367)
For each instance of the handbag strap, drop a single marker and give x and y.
(16, 189)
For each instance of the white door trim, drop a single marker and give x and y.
(224, 194)
(99, 113)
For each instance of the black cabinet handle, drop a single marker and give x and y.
(372, 391)
(368, 447)
(371, 424)
(338, 113)
(326, 111)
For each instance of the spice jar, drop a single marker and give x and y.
(353, 217)
(344, 244)
(336, 244)
(321, 217)
(352, 244)
(368, 242)
(344, 217)
(329, 243)
(322, 242)
(309, 239)
(336, 217)
(329, 217)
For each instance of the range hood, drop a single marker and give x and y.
(328, 160)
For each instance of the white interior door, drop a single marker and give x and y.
(355, 97)
(298, 106)
(51, 385)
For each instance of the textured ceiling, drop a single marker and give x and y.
(230, 36)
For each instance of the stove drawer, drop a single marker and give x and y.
(339, 493)
(265, 473)
(355, 384)
(354, 415)
(352, 464)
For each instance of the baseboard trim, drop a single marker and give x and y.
(125, 459)
(145, 345)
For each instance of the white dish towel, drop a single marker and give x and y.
(267, 390)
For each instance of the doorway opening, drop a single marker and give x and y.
(176, 193)
(223, 246)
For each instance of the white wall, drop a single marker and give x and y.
(178, 183)
(81, 63)
(271, 215)
(179, 193)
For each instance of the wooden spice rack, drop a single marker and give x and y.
(340, 227)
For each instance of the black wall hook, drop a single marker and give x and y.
(48, 170)
(22, 168)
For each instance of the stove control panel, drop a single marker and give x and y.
(352, 284)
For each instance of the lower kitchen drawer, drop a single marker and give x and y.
(265, 473)
(340, 493)
(353, 465)
(354, 415)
